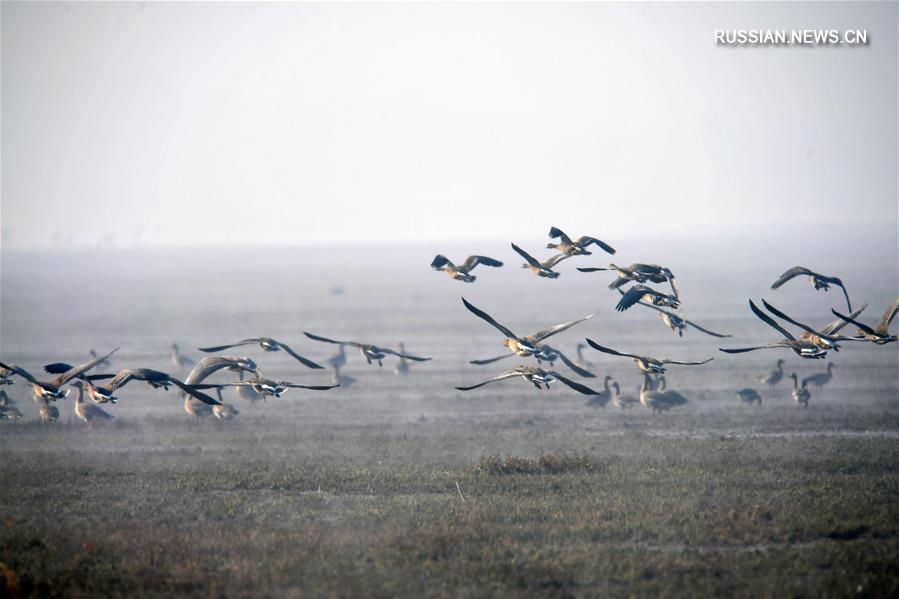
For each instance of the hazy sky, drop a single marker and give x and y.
(208, 123)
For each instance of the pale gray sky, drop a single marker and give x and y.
(214, 123)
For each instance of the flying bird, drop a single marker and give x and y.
(88, 412)
(535, 376)
(461, 272)
(266, 343)
(826, 337)
(801, 347)
(819, 281)
(677, 323)
(371, 353)
(640, 273)
(154, 378)
(575, 248)
(645, 363)
(52, 389)
(264, 386)
(547, 354)
(880, 334)
(641, 292)
(541, 269)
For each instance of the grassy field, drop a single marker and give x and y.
(529, 497)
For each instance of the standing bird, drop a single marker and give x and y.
(772, 377)
(749, 396)
(623, 401)
(822, 378)
(603, 397)
(369, 352)
(801, 347)
(5, 376)
(266, 343)
(880, 334)
(535, 376)
(645, 363)
(541, 269)
(801, 394)
(49, 413)
(4, 399)
(88, 412)
(52, 389)
(340, 380)
(582, 362)
(575, 248)
(658, 400)
(179, 361)
(10, 413)
(818, 280)
(522, 346)
(224, 411)
(460, 273)
(402, 367)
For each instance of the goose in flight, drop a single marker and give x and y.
(522, 346)
(535, 376)
(603, 397)
(800, 394)
(880, 334)
(659, 400)
(369, 352)
(623, 401)
(266, 343)
(818, 280)
(675, 322)
(641, 292)
(640, 273)
(88, 412)
(749, 396)
(178, 360)
(546, 354)
(541, 269)
(772, 377)
(264, 386)
(460, 273)
(822, 378)
(211, 364)
(645, 363)
(52, 389)
(826, 337)
(575, 248)
(154, 378)
(801, 347)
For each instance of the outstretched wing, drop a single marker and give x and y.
(548, 332)
(861, 326)
(20, 371)
(686, 363)
(632, 296)
(216, 348)
(556, 233)
(310, 387)
(780, 314)
(440, 261)
(326, 340)
(575, 367)
(192, 391)
(576, 386)
(387, 350)
(491, 360)
(555, 260)
(586, 240)
(528, 258)
(740, 350)
(793, 272)
(607, 350)
(835, 326)
(506, 375)
(592, 269)
(484, 316)
(79, 370)
(706, 331)
(770, 321)
(305, 361)
(837, 281)
(888, 316)
(473, 261)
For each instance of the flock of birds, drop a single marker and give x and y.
(632, 283)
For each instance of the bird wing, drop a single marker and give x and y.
(706, 331)
(666, 361)
(835, 326)
(556, 233)
(305, 361)
(506, 375)
(632, 296)
(57, 368)
(780, 314)
(592, 268)
(586, 240)
(575, 367)
(793, 272)
(483, 315)
(224, 347)
(387, 350)
(574, 385)
(311, 387)
(548, 332)
(863, 327)
(548, 264)
(741, 350)
(837, 281)
(20, 371)
(326, 340)
(490, 360)
(440, 261)
(765, 318)
(473, 261)
(528, 258)
(192, 391)
(888, 316)
(674, 289)
(607, 350)
(79, 370)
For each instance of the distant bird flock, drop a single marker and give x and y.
(632, 283)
